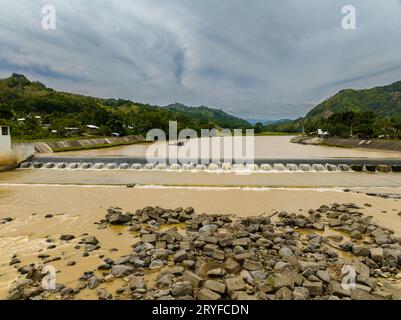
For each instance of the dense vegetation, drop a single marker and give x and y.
(372, 112)
(48, 113)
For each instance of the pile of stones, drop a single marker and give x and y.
(283, 256)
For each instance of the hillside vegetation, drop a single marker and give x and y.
(36, 112)
(369, 113)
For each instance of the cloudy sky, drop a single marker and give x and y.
(255, 59)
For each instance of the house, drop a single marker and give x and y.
(92, 127)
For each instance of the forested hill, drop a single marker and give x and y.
(382, 101)
(35, 111)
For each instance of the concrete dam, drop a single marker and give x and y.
(259, 165)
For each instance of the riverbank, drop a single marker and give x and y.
(372, 144)
(94, 257)
(85, 144)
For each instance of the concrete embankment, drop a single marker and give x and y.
(18, 153)
(373, 144)
(65, 145)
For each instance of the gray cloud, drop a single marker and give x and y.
(255, 59)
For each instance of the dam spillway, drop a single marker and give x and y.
(258, 165)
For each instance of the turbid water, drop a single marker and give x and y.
(266, 147)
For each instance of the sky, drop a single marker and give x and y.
(263, 59)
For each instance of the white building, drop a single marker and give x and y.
(5, 144)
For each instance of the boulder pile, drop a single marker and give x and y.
(333, 252)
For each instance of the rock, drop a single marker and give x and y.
(137, 282)
(232, 267)
(165, 280)
(283, 280)
(215, 286)
(90, 240)
(284, 294)
(252, 265)
(235, 284)
(335, 289)
(48, 216)
(91, 247)
(206, 294)
(360, 251)
(104, 295)
(181, 289)
(93, 282)
(120, 271)
(14, 295)
(301, 293)
(356, 235)
(218, 254)
(118, 218)
(71, 263)
(377, 254)
(66, 237)
(180, 256)
(314, 288)
(285, 252)
(218, 272)
(149, 237)
(281, 267)
(243, 242)
(323, 275)
(109, 278)
(156, 264)
(358, 294)
(15, 261)
(192, 278)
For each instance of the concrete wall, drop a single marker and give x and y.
(50, 146)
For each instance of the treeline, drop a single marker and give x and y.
(35, 112)
(344, 125)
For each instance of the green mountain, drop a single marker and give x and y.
(206, 114)
(382, 101)
(45, 113)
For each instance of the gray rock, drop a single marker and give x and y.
(301, 293)
(215, 286)
(192, 278)
(180, 256)
(285, 252)
(149, 237)
(252, 265)
(120, 271)
(235, 284)
(377, 254)
(93, 282)
(360, 251)
(314, 288)
(181, 289)
(118, 218)
(284, 294)
(232, 267)
(66, 237)
(156, 264)
(335, 289)
(90, 240)
(283, 280)
(323, 275)
(137, 282)
(206, 294)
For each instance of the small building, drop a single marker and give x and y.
(5, 144)
(92, 127)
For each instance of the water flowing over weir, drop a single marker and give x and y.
(259, 165)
